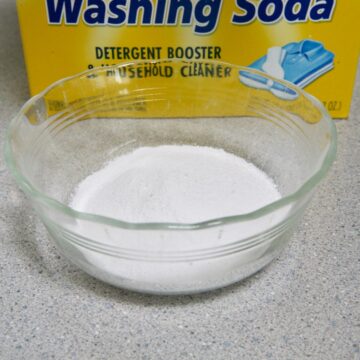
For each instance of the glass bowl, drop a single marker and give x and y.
(76, 125)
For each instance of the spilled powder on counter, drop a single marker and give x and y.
(175, 183)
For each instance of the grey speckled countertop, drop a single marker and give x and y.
(304, 305)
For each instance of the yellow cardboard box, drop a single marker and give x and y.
(312, 43)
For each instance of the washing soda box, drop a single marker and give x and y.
(313, 44)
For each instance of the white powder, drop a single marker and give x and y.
(183, 184)
(174, 183)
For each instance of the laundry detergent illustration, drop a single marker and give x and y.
(299, 63)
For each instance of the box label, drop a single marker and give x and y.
(309, 43)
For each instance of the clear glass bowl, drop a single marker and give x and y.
(76, 125)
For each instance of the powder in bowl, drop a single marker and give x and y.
(174, 184)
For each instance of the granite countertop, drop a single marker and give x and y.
(304, 305)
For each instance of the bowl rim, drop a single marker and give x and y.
(304, 189)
